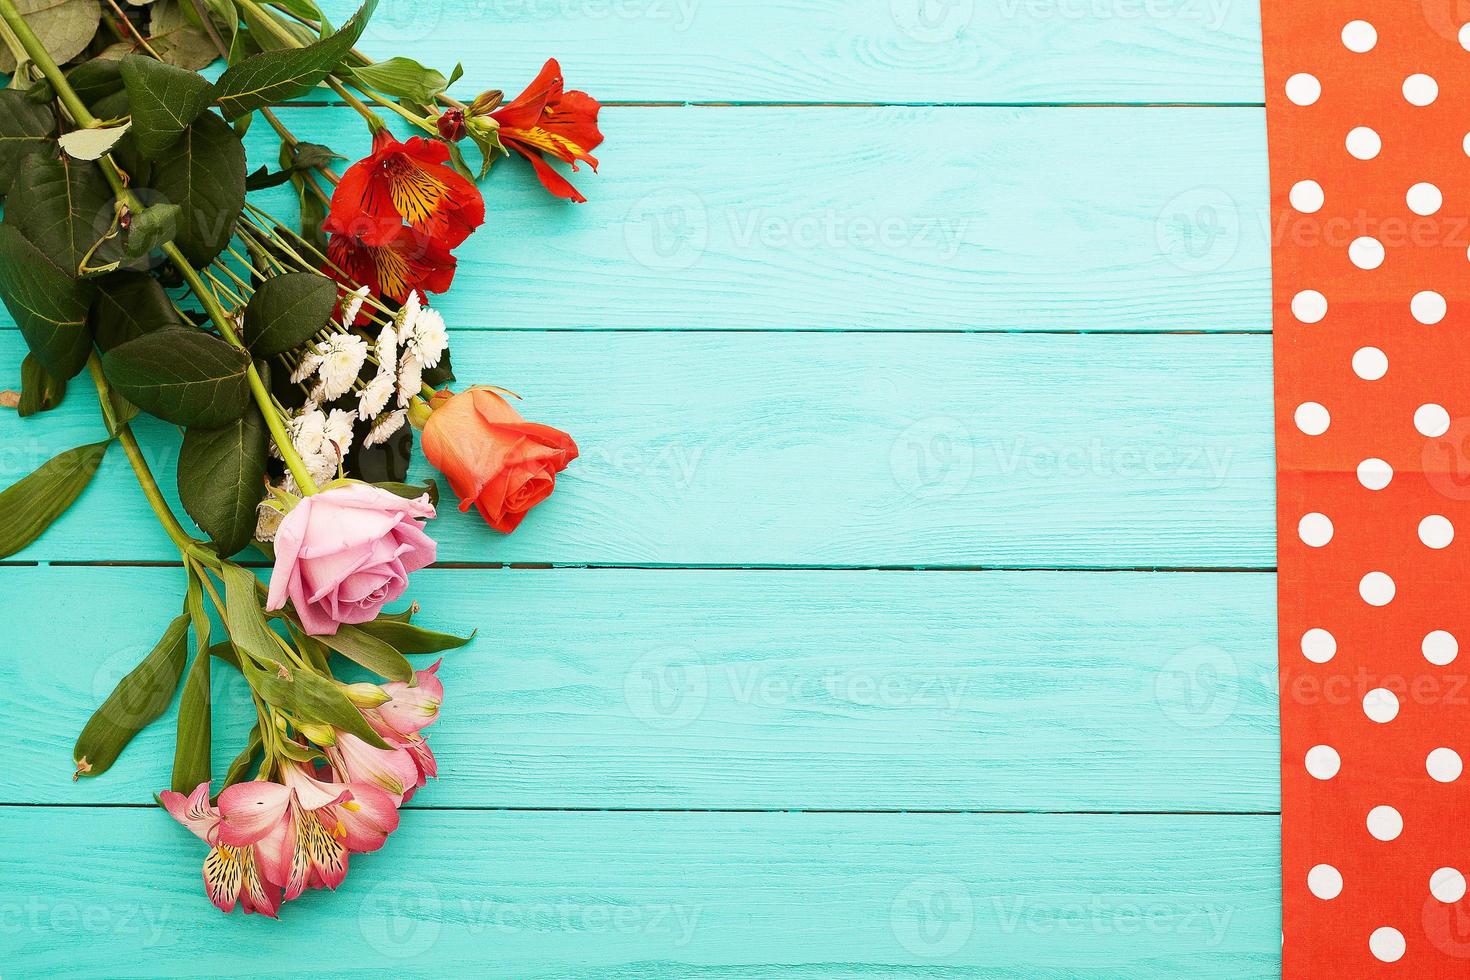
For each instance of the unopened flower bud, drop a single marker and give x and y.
(486, 102)
(323, 735)
(451, 125)
(366, 695)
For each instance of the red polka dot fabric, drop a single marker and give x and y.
(1368, 114)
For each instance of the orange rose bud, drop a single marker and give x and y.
(495, 460)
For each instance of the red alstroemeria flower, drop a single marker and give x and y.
(402, 260)
(546, 119)
(408, 183)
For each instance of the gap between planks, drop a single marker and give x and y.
(653, 566)
(737, 809)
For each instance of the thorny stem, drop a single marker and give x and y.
(131, 29)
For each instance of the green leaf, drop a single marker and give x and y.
(138, 699)
(30, 505)
(176, 38)
(282, 75)
(371, 651)
(152, 228)
(244, 620)
(222, 478)
(129, 305)
(182, 376)
(413, 639)
(204, 173)
(316, 654)
(287, 311)
(39, 392)
(304, 695)
(49, 306)
(90, 144)
(66, 211)
(194, 737)
(165, 100)
(25, 128)
(194, 606)
(64, 27)
(402, 78)
(95, 79)
(239, 770)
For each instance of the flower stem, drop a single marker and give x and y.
(176, 533)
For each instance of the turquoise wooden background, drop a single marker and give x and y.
(910, 610)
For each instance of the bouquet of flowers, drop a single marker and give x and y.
(296, 357)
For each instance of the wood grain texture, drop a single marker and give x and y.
(822, 449)
(839, 50)
(668, 894)
(894, 219)
(736, 690)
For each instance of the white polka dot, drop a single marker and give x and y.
(1307, 196)
(1303, 89)
(1436, 531)
(1444, 765)
(1447, 885)
(1370, 363)
(1377, 589)
(1381, 705)
(1428, 307)
(1323, 762)
(1431, 420)
(1313, 419)
(1385, 823)
(1309, 306)
(1419, 89)
(1440, 647)
(1364, 143)
(1315, 530)
(1424, 199)
(1359, 36)
(1387, 944)
(1465, 37)
(1466, 144)
(1366, 253)
(1318, 645)
(1325, 882)
(1375, 474)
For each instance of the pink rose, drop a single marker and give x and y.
(344, 553)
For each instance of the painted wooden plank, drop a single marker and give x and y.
(117, 892)
(735, 689)
(823, 449)
(840, 51)
(901, 219)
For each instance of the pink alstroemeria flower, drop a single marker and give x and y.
(363, 821)
(355, 761)
(231, 874)
(296, 846)
(400, 720)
